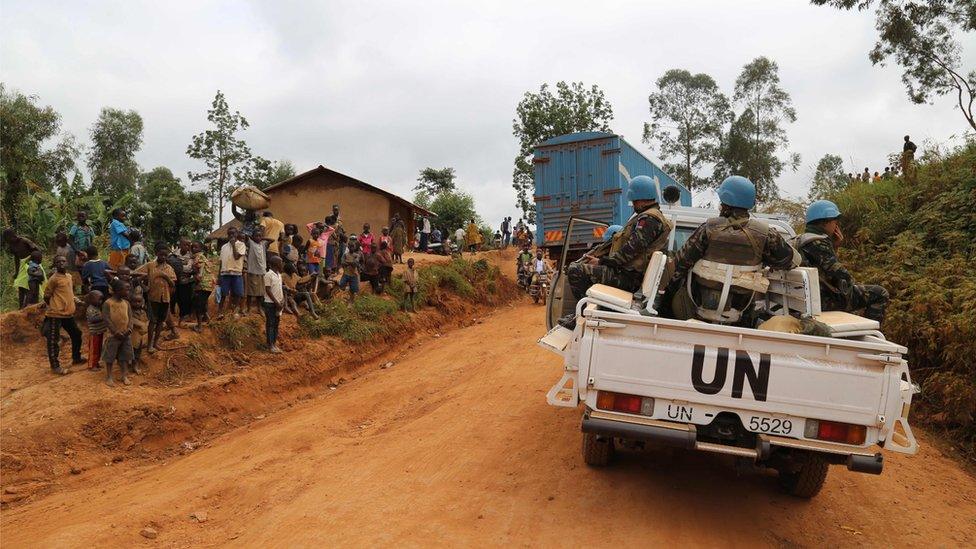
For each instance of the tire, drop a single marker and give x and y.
(809, 479)
(596, 453)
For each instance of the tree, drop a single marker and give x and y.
(918, 34)
(433, 181)
(756, 135)
(263, 173)
(544, 115)
(829, 178)
(224, 155)
(454, 209)
(116, 138)
(688, 115)
(165, 211)
(34, 154)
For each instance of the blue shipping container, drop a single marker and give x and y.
(586, 175)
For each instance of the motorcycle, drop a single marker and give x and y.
(539, 287)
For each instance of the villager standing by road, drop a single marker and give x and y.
(351, 261)
(506, 232)
(257, 265)
(274, 302)
(399, 235)
(473, 238)
(273, 229)
(231, 272)
(424, 233)
(59, 303)
(162, 283)
(80, 237)
(118, 239)
(907, 156)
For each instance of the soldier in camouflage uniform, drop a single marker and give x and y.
(838, 292)
(731, 241)
(623, 262)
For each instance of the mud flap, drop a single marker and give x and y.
(564, 392)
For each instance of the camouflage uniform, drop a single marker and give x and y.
(623, 262)
(734, 239)
(838, 292)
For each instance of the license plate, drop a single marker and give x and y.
(752, 421)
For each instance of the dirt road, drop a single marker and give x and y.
(456, 445)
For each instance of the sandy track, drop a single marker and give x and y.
(456, 445)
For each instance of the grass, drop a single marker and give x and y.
(369, 318)
(238, 334)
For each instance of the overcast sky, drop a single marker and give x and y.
(379, 90)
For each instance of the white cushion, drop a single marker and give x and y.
(611, 295)
(840, 321)
(652, 275)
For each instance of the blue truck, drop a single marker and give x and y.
(585, 175)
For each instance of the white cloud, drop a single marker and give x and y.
(381, 90)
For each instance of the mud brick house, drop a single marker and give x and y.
(309, 197)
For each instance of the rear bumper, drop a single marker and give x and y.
(684, 435)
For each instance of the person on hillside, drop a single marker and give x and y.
(724, 259)
(876, 178)
(866, 176)
(140, 330)
(138, 250)
(623, 267)
(459, 235)
(204, 277)
(61, 246)
(17, 246)
(118, 239)
(366, 239)
(385, 259)
(887, 173)
(370, 271)
(247, 218)
(117, 346)
(385, 237)
(399, 236)
(424, 233)
(303, 291)
(289, 282)
(289, 253)
(329, 243)
(80, 237)
(273, 303)
(96, 327)
(272, 230)
(851, 177)
(506, 229)
(907, 155)
(351, 261)
(256, 265)
(30, 280)
(410, 280)
(59, 313)
(96, 271)
(162, 284)
(181, 259)
(295, 239)
(473, 238)
(312, 259)
(838, 291)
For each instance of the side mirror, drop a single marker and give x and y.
(671, 194)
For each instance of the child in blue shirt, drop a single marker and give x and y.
(95, 272)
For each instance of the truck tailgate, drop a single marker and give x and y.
(722, 368)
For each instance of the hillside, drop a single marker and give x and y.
(916, 237)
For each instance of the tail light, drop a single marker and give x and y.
(835, 431)
(629, 404)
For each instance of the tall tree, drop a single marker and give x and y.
(34, 153)
(829, 178)
(544, 115)
(166, 211)
(223, 153)
(920, 36)
(688, 114)
(433, 181)
(116, 138)
(756, 136)
(263, 173)
(454, 208)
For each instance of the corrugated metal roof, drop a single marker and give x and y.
(574, 137)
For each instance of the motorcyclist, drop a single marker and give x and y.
(522, 260)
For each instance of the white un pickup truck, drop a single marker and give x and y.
(795, 403)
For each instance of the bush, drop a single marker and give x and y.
(917, 238)
(238, 334)
(370, 317)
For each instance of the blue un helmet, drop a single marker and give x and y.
(738, 192)
(822, 209)
(611, 230)
(642, 187)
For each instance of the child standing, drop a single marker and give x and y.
(256, 265)
(274, 302)
(312, 259)
(118, 319)
(140, 330)
(204, 278)
(385, 259)
(59, 301)
(96, 328)
(351, 261)
(162, 281)
(93, 273)
(138, 249)
(36, 277)
(410, 279)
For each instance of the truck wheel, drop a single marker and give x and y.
(807, 481)
(596, 453)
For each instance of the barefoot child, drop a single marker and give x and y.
(140, 330)
(204, 279)
(410, 279)
(289, 282)
(162, 282)
(119, 320)
(36, 277)
(96, 328)
(302, 290)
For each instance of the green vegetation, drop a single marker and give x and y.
(239, 333)
(917, 238)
